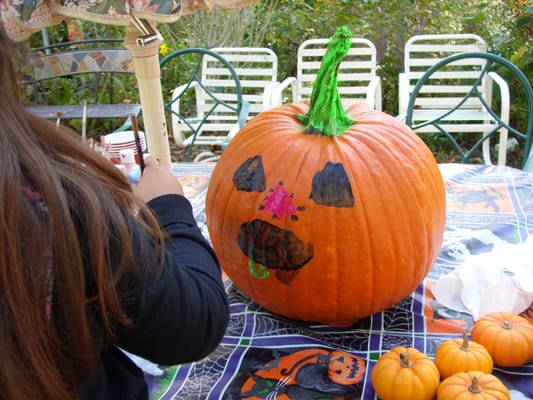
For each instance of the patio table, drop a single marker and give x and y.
(93, 111)
(266, 356)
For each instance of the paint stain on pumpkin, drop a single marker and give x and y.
(250, 176)
(280, 203)
(273, 247)
(258, 271)
(331, 187)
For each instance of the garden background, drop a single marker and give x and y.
(282, 25)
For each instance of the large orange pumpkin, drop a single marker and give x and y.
(326, 220)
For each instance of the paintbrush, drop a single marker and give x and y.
(137, 141)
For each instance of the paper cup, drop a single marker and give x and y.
(117, 141)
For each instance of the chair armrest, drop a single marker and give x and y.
(243, 115)
(505, 101)
(505, 97)
(373, 93)
(242, 118)
(179, 137)
(528, 166)
(267, 95)
(403, 94)
(277, 92)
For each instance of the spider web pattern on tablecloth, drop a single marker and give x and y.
(416, 321)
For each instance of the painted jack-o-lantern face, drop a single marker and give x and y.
(270, 247)
(345, 369)
(320, 218)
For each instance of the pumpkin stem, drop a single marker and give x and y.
(506, 324)
(404, 360)
(326, 114)
(465, 341)
(474, 386)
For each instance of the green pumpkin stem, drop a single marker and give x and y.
(326, 114)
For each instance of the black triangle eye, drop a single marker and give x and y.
(250, 176)
(331, 187)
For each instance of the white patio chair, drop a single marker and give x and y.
(357, 78)
(257, 68)
(449, 89)
(440, 119)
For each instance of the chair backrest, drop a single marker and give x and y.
(91, 58)
(257, 68)
(354, 74)
(424, 51)
(206, 102)
(81, 62)
(439, 120)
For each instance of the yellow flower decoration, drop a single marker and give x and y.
(163, 49)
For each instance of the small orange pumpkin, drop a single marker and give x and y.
(321, 218)
(460, 355)
(405, 373)
(508, 338)
(472, 385)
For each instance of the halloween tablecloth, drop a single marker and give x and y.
(265, 356)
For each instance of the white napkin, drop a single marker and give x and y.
(501, 280)
(147, 366)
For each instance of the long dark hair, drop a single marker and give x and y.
(60, 204)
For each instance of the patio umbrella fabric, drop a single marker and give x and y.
(189, 6)
(21, 18)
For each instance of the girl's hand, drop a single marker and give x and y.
(156, 181)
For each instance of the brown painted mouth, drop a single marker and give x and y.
(273, 247)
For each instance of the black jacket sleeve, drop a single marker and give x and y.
(181, 312)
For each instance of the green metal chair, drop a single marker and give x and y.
(209, 108)
(441, 120)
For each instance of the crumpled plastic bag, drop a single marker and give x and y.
(501, 280)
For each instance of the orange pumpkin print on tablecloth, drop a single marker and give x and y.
(473, 199)
(528, 313)
(305, 375)
(193, 184)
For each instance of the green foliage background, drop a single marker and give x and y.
(282, 25)
(506, 26)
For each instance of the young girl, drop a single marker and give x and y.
(90, 265)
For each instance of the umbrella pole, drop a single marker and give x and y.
(147, 70)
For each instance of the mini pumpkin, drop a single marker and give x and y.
(323, 219)
(472, 385)
(461, 355)
(508, 338)
(405, 373)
